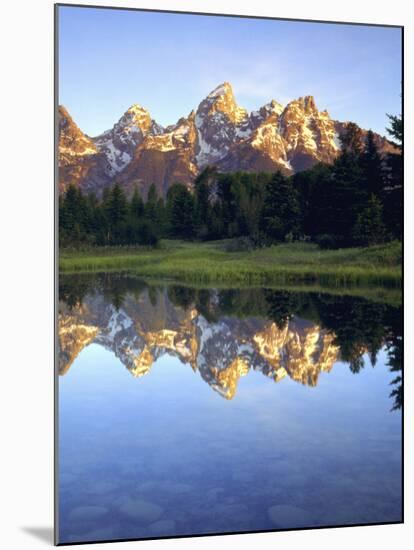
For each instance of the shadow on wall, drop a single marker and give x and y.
(42, 533)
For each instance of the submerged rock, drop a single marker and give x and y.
(140, 510)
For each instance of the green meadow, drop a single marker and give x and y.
(213, 263)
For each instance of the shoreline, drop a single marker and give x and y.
(210, 262)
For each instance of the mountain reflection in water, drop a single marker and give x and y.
(172, 420)
(224, 334)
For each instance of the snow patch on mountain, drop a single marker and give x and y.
(219, 90)
(220, 132)
(119, 143)
(337, 142)
(118, 321)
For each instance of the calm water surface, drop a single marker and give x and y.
(188, 411)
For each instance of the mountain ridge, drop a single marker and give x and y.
(220, 351)
(137, 151)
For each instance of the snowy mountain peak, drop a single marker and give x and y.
(119, 143)
(222, 100)
(309, 103)
(136, 108)
(271, 108)
(135, 118)
(221, 89)
(305, 103)
(220, 122)
(138, 152)
(275, 106)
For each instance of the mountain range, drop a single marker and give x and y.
(221, 351)
(137, 151)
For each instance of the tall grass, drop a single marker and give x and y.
(282, 264)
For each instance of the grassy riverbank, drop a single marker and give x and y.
(212, 263)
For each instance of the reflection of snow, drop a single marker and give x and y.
(243, 133)
(118, 321)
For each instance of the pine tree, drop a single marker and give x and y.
(316, 198)
(180, 205)
(117, 205)
(396, 130)
(69, 209)
(225, 194)
(216, 229)
(205, 186)
(73, 216)
(162, 217)
(372, 169)
(136, 207)
(347, 198)
(281, 213)
(91, 220)
(117, 209)
(202, 209)
(369, 228)
(351, 139)
(147, 234)
(151, 205)
(247, 203)
(394, 191)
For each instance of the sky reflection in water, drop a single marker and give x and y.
(217, 432)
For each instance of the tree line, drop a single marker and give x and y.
(356, 201)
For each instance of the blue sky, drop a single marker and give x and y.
(110, 59)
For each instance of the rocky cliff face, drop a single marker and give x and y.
(164, 159)
(138, 152)
(119, 143)
(80, 161)
(221, 351)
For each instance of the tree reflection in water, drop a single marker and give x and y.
(359, 326)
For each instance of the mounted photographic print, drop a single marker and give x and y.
(229, 315)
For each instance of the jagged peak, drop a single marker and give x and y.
(273, 106)
(222, 89)
(273, 103)
(63, 110)
(305, 104)
(64, 114)
(72, 140)
(135, 117)
(182, 121)
(136, 108)
(221, 100)
(307, 101)
(66, 121)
